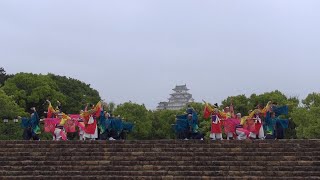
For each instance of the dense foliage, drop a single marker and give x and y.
(307, 117)
(76, 93)
(139, 115)
(8, 107)
(3, 76)
(32, 90)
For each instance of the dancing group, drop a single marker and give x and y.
(261, 123)
(92, 123)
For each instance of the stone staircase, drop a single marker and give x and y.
(162, 159)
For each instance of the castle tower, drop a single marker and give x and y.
(178, 99)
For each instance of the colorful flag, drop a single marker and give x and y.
(65, 118)
(207, 111)
(81, 125)
(50, 124)
(230, 125)
(98, 109)
(249, 125)
(91, 128)
(70, 126)
(75, 116)
(51, 111)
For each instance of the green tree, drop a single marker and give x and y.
(243, 104)
(9, 109)
(307, 117)
(10, 131)
(312, 100)
(308, 122)
(263, 99)
(3, 76)
(162, 122)
(240, 102)
(111, 107)
(77, 94)
(31, 90)
(139, 115)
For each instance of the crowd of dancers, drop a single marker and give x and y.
(92, 123)
(261, 123)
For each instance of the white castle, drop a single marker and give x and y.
(178, 100)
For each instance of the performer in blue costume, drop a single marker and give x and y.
(194, 132)
(274, 125)
(110, 128)
(31, 126)
(181, 127)
(117, 129)
(127, 128)
(187, 127)
(102, 124)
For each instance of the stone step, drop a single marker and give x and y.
(160, 163)
(156, 178)
(162, 157)
(158, 168)
(163, 173)
(141, 153)
(137, 149)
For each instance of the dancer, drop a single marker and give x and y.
(31, 126)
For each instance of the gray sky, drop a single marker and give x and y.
(139, 50)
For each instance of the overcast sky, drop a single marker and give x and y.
(139, 50)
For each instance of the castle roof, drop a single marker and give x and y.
(181, 87)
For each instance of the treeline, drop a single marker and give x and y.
(20, 92)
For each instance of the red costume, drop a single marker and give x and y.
(216, 124)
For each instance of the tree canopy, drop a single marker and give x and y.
(3, 76)
(307, 117)
(9, 109)
(76, 93)
(32, 90)
(137, 114)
